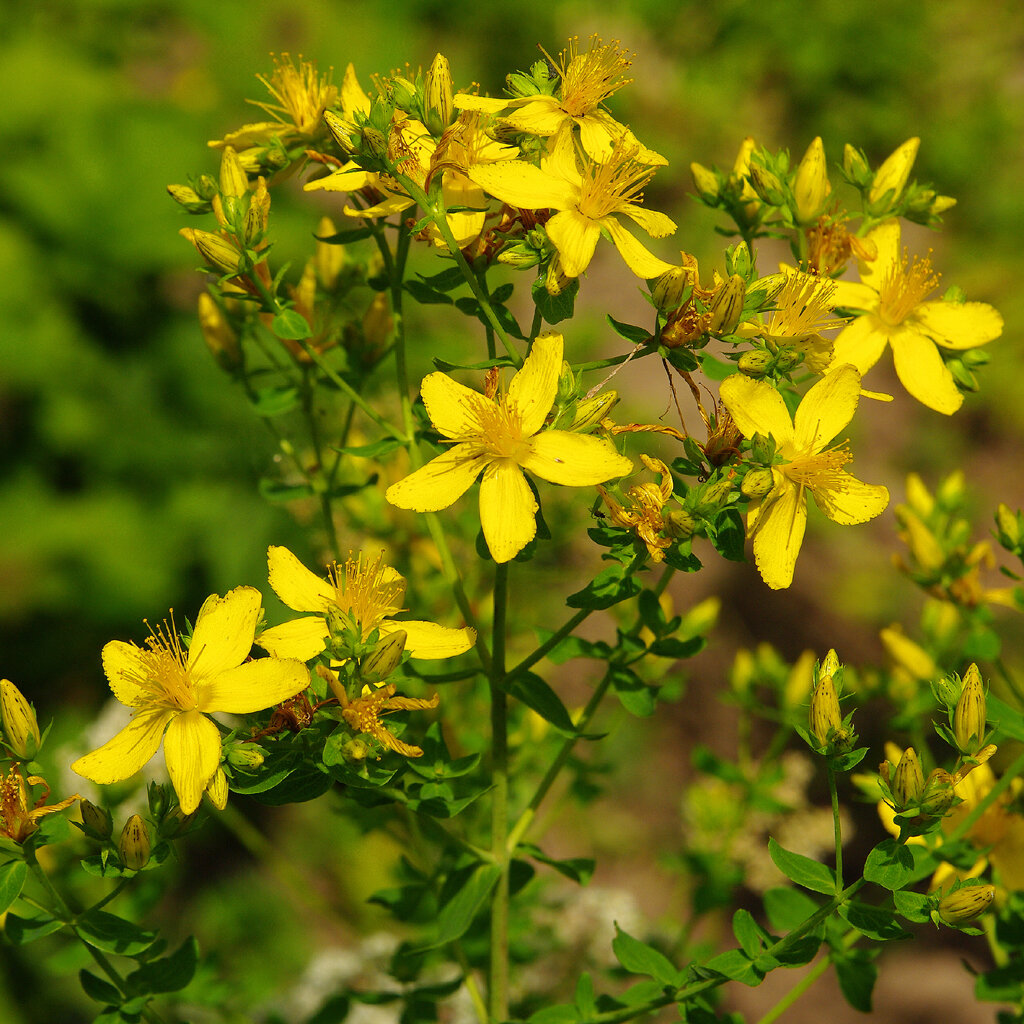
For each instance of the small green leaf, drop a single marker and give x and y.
(168, 974)
(639, 958)
(889, 864)
(634, 694)
(800, 869)
(856, 975)
(637, 335)
(539, 697)
(748, 933)
(458, 908)
(26, 929)
(291, 325)
(98, 989)
(425, 295)
(555, 308)
(875, 922)
(788, 908)
(281, 493)
(735, 964)
(113, 934)
(274, 401)
(914, 906)
(12, 879)
(561, 1014)
(608, 588)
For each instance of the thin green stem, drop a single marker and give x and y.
(498, 973)
(319, 483)
(796, 991)
(566, 629)
(837, 828)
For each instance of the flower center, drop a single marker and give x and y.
(501, 429)
(819, 472)
(591, 77)
(302, 94)
(165, 680)
(804, 307)
(611, 186)
(906, 285)
(365, 592)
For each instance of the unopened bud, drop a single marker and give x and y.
(908, 655)
(668, 290)
(175, 823)
(757, 483)
(766, 184)
(437, 95)
(254, 223)
(341, 128)
(727, 306)
(811, 187)
(218, 334)
(1009, 526)
(234, 182)
(947, 691)
(855, 165)
(891, 178)
(217, 251)
(21, 728)
(966, 903)
(376, 667)
(679, 523)
(754, 362)
(908, 780)
(938, 794)
(355, 750)
(134, 845)
(825, 717)
(923, 544)
(373, 142)
(96, 821)
(831, 664)
(217, 789)
(737, 260)
(970, 714)
(591, 411)
(403, 92)
(189, 198)
(706, 183)
(246, 756)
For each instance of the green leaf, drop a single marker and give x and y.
(98, 989)
(715, 369)
(1002, 984)
(539, 697)
(426, 295)
(1008, 721)
(634, 694)
(281, 493)
(458, 908)
(12, 879)
(637, 335)
(608, 588)
(274, 401)
(800, 869)
(673, 647)
(26, 929)
(113, 934)
(345, 237)
(890, 864)
(168, 974)
(875, 922)
(735, 964)
(555, 308)
(291, 325)
(788, 908)
(748, 933)
(856, 975)
(639, 958)
(579, 869)
(561, 1014)
(300, 786)
(914, 906)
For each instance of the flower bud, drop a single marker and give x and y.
(19, 721)
(1009, 526)
(766, 184)
(667, 293)
(908, 780)
(189, 198)
(355, 750)
(891, 178)
(830, 665)
(437, 95)
(217, 789)
(218, 334)
(245, 756)
(924, 546)
(938, 794)
(970, 714)
(96, 821)
(811, 187)
(907, 654)
(757, 483)
(175, 823)
(217, 251)
(679, 523)
(737, 260)
(234, 182)
(403, 92)
(966, 903)
(706, 184)
(591, 411)
(373, 143)
(855, 165)
(376, 667)
(754, 362)
(825, 716)
(727, 306)
(254, 224)
(134, 845)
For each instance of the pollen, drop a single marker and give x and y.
(165, 679)
(365, 592)
(501, 430)
(804, 307)
(612, 186)
(905, 286)
(820, 472)
(591, 77)
(302, 94)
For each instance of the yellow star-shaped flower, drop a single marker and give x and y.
(776, 523)
(172, 690)
(892, 293)
(368, 593)
(501, 436)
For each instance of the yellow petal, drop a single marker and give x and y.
(778, 536)
(861, 343)
(224, 632)
(508, 510)
(124, 665)
(642, 262)
(441, 482)
(576, 460)
(596, 135)
(854, 295)
(523, 185)
(757, 408)
(350, 178)
(656, 224)
(385, 208)
(533, 389)
(453, 408)
(490, 105)
(886, 239)
(575, 237)
(127, 752)
(826, 408)
(254, 686)
(852, 502)
(429, 640)
(923, 373)
(539, 115)
(299, 588)
(959, 325)
(301, 639)
(894, 171)
(192, 753)
(352, 96)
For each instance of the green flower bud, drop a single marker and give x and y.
(727, 306)
(831, 665)
(19, 721)
(403, 92)
(96, 821)
(234, 182)
(188, 198)
(970, 713)
(755, 362)
(762, 450)
(966, 903)
(245, 756)
(855, 165)
(376, 667)
(766, 184)
(908, 780)
(437, 95)
(217, 789)
(1010, 526)
(679, 523)
(175, 824)
(668, 290)
(811, 187)
(938, 794)
(134, 845)
(591, 411)
(220, 338)
(825, 718)
(706, 184)
(757, 483)
(217, 251)
(891, 178)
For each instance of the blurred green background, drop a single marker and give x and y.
(129, 465)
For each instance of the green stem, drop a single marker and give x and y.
(836, 826)
(320, 482)
(796, 991)
(566, 629)
(498, 973)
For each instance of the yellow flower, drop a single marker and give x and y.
(172, 689)
(363, 715)
(643, 511)
(588, 201)
(17, 820)
(892, 293)
(587, 80)
(777, 522)
(366, 593)
(501, 435)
